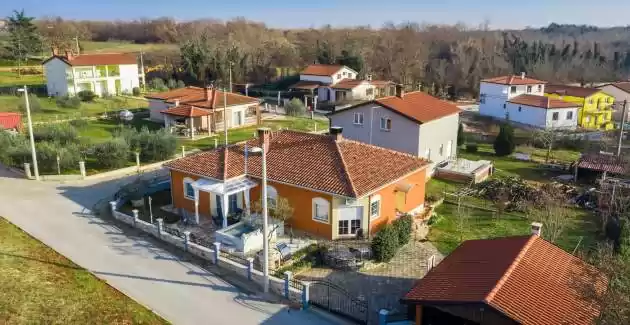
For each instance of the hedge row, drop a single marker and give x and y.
(391, 237)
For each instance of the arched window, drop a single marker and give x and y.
(189, 191)
(321, 210)
(272, 197)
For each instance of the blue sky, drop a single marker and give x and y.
(300, 13)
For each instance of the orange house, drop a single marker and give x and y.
(337, 187)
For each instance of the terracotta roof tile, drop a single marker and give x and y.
(303, 84)
(196, 96)
(98, 59)
(314, 161)
(348, 83)
(605, 163)
(322, 69)
(541, 101)
(10, 120)
(187, 111)
(513, 80)
(526, 278)
(574, 91)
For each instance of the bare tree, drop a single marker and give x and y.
(551, 208)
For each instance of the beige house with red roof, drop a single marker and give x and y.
(201, 110)
(415, 123)
(104, 74)
(337, 187)
(513, 280)
(338, 83)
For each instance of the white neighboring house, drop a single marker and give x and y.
(494, 93)
(415, 123)
(338, 83)
(104, 74)
(542, 112)
(621, 92)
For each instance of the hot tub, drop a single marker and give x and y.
(241, 236)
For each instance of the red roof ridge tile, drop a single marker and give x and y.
(225, 161)
(345, 169)
(508, 271)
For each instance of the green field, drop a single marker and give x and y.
(51, 111)
(124, 47)
(10, 78)
(39, 286)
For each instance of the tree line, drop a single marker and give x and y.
(441, 59)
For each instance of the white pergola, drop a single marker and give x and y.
(224, 189)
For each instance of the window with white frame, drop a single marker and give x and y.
(272, 197)
(529, 89)
(321, 210)
(569, 115)
(339, 76)
(189, 191)
(355, 225)
(386, 123)
(513, 90)
(349, 227)
(375, 206)
(555, 116)
(358, 118)
(539, 88)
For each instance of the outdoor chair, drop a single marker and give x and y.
(285, 251)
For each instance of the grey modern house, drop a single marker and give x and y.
(414, 123)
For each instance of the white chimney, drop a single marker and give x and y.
(522, 75)
(537, 228)
(176, 102)
(368, 77)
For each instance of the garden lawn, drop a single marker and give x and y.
(10, 78)
(39, 286)
(51, 111)
(508, 166)
(236, 135)
(446, 233)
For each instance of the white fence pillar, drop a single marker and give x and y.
(217, 249)
(135, 217)
(160, 226)
(306, 294)
(27, 170)
(186, 240)
(112, 205)
(82, 169)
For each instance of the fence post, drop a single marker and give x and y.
(135, 217)
(27, 170)
(287, 283)
(186, 239)
(306, 288)
(137, 159)
(382, 316)
(250, 267)
(112, 205)
(217, 248)
(160, 226)
(216, 143)
(82, 169)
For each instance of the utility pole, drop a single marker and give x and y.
(225, 126)
(623, 122)
(144, 81)
(231, 64)
(30, 132)
(76, 42)
(265, 220)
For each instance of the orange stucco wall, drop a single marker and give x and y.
(413, 199)
(180, 201)
(302, 202)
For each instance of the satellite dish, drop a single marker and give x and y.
(126, 116)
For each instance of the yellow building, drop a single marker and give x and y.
(595, 110)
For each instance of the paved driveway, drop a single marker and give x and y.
(181, 292)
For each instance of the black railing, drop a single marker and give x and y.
(296, 284)
(234, 258)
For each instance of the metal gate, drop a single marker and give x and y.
(335, 299)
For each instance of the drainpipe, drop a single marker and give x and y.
(371, 120)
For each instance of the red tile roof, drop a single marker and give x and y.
(318, 162)
(574, 91)
(541, 101)
(513, 80)
(187, 111)
(348, 83)
(526, 278)
(605, 163)
(623, 85)
(196, 96)
(10, 120)
(322, 69)
(417, 106)
(303, 84)
(98, 59)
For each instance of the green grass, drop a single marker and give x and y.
(51, 111)
(508, 166)
(39, 286)
(236, 135)
(124, 47)
(446, 233)
(10, 78)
